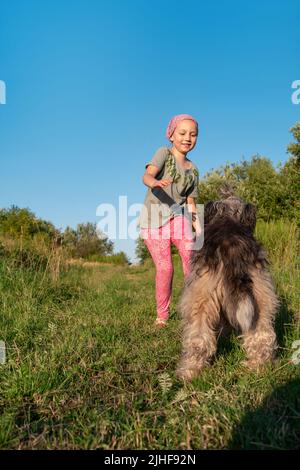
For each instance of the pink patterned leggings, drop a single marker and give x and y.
(158, 241)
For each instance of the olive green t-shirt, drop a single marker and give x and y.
(161, 204)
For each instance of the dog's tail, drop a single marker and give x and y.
(240, 301)
(244, 314)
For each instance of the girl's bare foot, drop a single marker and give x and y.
(160, 323)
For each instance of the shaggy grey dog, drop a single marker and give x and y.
(229, 285)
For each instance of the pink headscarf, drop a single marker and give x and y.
(175, 120)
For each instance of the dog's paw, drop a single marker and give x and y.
(186, 374)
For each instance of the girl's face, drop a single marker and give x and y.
(184, 137)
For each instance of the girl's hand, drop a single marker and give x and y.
(162, 183)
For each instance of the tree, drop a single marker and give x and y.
(294, 148)
(290, 175)
(262, 187)
(86, 241)
(141, 251)
(21, 222)
(210, 185)
(256, 181)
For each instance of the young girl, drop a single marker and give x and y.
(172, 180)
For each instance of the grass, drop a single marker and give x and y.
(86, 370)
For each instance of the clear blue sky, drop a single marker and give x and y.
(92, 84)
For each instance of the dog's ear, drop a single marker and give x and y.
(248, 216)
(210, 211)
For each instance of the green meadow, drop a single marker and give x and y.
(86, 369)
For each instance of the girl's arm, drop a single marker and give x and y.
(195, 219)
(150, 180)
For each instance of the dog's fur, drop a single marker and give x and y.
(229, 284)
